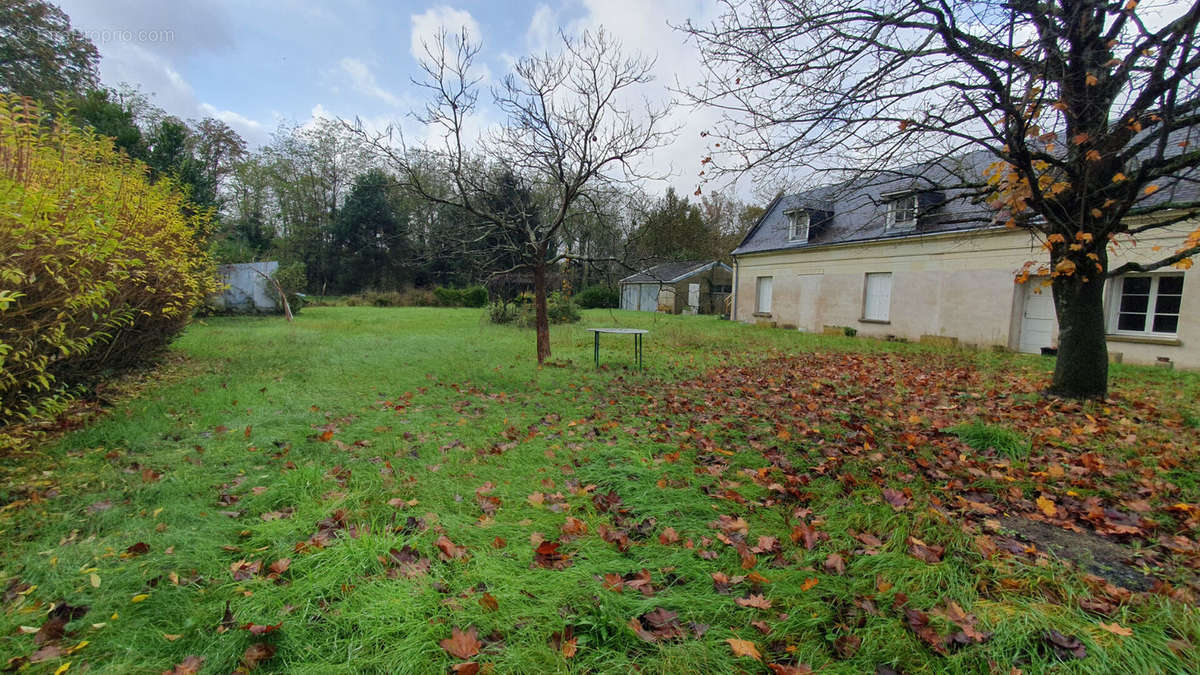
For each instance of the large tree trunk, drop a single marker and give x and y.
(541, 319)
(1081, 370)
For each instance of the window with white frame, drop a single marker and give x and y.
(877, 297)
(762, 297)
(797, 225)
(902, 212)
(1146, 305)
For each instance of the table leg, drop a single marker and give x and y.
(596, 349)
(638, 349)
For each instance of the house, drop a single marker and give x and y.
(894, 256)
(679, 288)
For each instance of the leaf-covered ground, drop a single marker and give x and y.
(375, 490)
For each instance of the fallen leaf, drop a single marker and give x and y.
(488, 602)
(1117, 629)
(462, 645)
(756, 600)
(744, 648)
(256, 654)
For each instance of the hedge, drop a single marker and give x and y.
(99, 267)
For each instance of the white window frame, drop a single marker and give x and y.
(882, 311)
(759, 285)
(1117, 291)
(799, 221)
(902, 205)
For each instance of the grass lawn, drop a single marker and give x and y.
(403, 491)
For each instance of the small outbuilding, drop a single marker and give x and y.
(692, 287)
(247, 289)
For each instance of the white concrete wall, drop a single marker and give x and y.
(954, 285)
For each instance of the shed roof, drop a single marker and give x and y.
(672, 272)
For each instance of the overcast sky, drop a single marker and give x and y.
(256, 63)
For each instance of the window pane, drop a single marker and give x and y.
(1131, 322)
(1137, 285)
(877, 298)
(1135, 303)
(1166, 323)
(1167, 304)
(1170, 285)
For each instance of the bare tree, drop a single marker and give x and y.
(1086, 108)
(570, 127)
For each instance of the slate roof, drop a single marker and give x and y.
(859, 207)
(856, 210)
(671, 272)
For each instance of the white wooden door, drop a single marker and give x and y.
(693, 298)
(1039, 325)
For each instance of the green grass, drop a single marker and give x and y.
(426, 406)
(985, 437)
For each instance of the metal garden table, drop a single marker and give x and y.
(637, 334)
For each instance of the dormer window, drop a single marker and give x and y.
(902, 212)
(798, 222)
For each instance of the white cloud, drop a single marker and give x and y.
(231, 118)
(427, 25)
(364, 81)
(543, 29)
(676, 65)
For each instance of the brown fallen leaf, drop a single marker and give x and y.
(834, 564)
(547, 556)
(256, 654)
(448, 550)
(744, 648)
(140, 548)
(462, 645)
(1117, 629)
(488, 602)
(756, 600)
(922, 551)
(189, 666)
(897, 499)
(47, 653)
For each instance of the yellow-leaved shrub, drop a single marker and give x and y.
(99, 267)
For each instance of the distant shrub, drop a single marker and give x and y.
(598, 297)
(503, 312)
(412, 297)
(559, 309)
(292, 279)
(474, 296)
(99, 268)
(984, 437)
(562, 309)
(448, 297)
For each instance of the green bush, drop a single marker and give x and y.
(503, 312)
(292, 279)
(598, 297)
(412, 297)
(562, 308)
(474, 296)
(99, 268)
(448, 297)
(559, 309)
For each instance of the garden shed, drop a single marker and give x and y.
(692, 287)
(247, 289)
